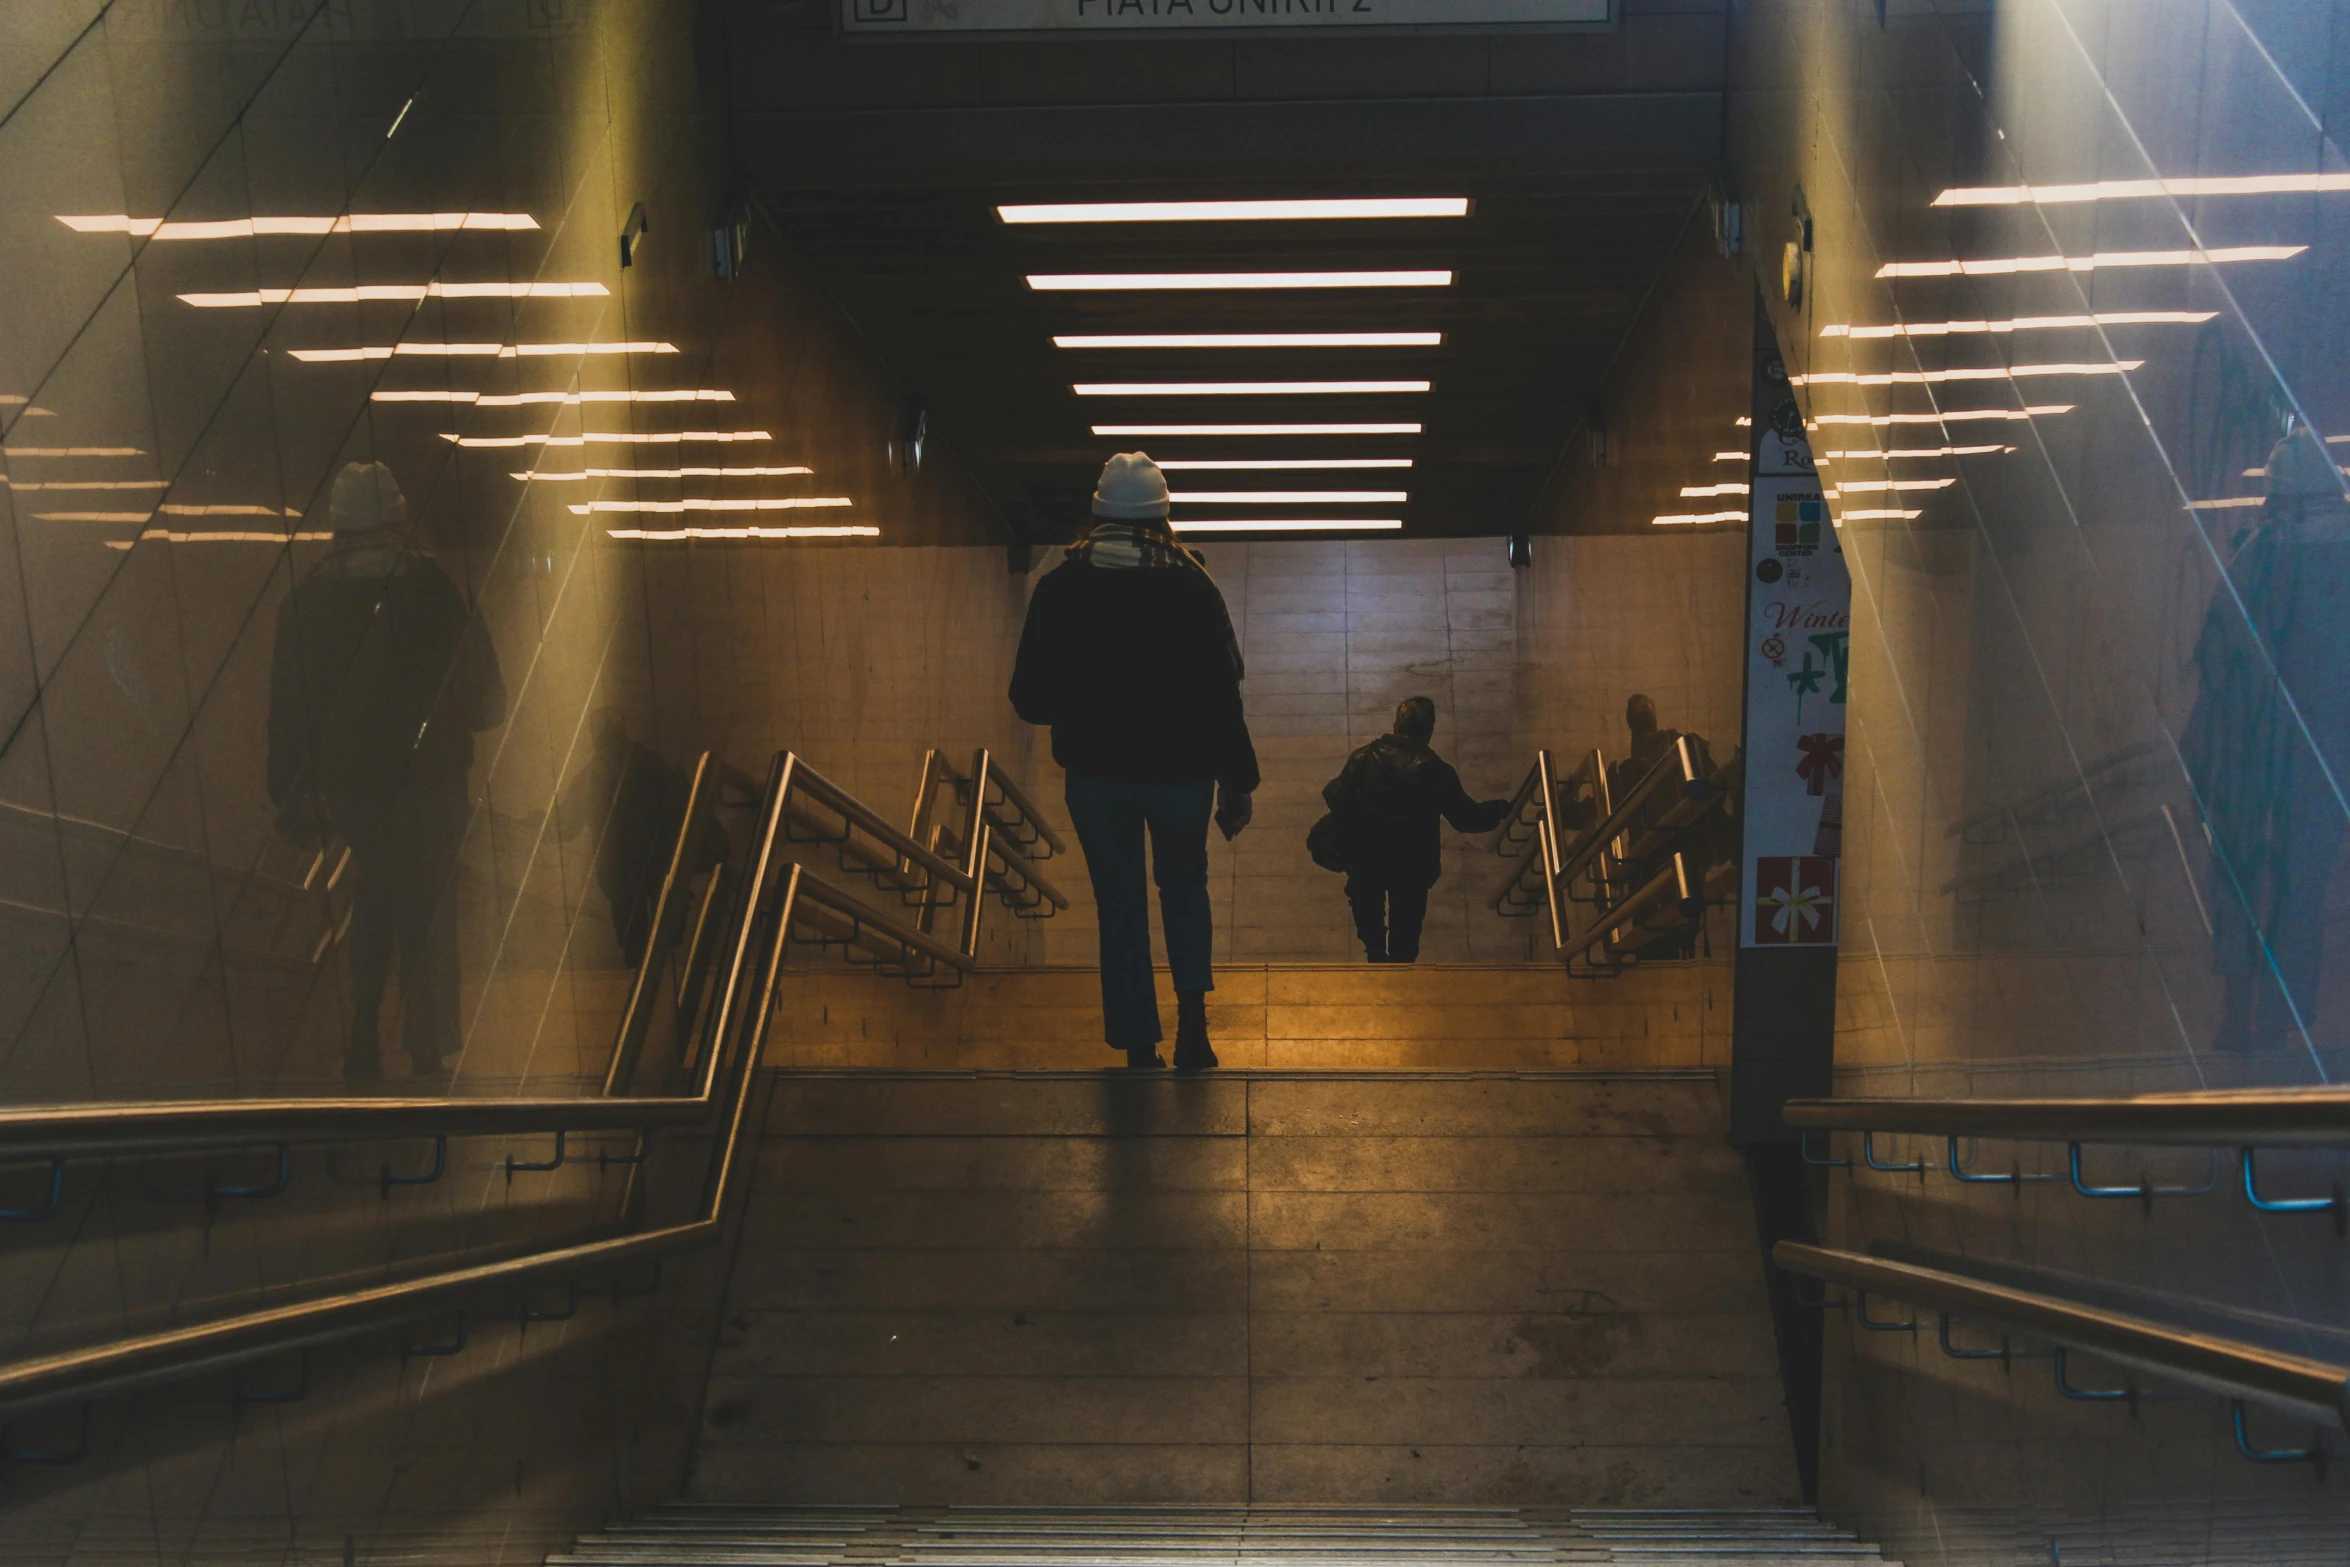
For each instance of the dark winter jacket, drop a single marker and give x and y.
(1388, 800)
(1137, 671)
(380, 676)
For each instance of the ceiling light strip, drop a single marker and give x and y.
(1925, 451)
(2024, 324)
(1262, 464)
(1691, 519)
(664, 473)
(1102, 282)
(2134, 190)
(1234, 211)
(1242, 388)
(1698, 491)
(1290, 525)
(473, 350)
(565, 399)
(1939, 377)
(2103, 260)
(1254, 340)
(1257, 429)
(1949, 416)
(244, 228)
(1290, 497)
(396, 292)
(674, 535)
(623, 437)
(699, 503)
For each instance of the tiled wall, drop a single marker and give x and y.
(170, 427)
(2082, 795)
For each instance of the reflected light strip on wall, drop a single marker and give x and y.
(396, 292)
(1731, 456)
(1240, 388)
(1847, 486)
(567, 399)
(2104, 259)
(1923, 451)
(1877, 515)
(2133, 190)
(2230, 504)
(2025, 324)
(1256, 464)
(1068, 282)
(1692, 518)
(1257, 429)
(1938, 377)
(200, 536)
(169, 509)
(1695, 491)
(1290, 497)
(89, 484)
(665, 473)
(474, 350)
(623, 437)
(1233, 211)
(92, 516)
(1257, 340)
(76, 451)
(699, 503)
(674, 535)
(348, 223)
(1288, 525)
(1950, 416)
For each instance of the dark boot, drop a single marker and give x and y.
(1192, 1051)
(1144, 1058)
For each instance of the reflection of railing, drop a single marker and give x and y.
(2237, 1370)
(1635, 865)
(776, 905)
(2050, 804)
(2244, 1119)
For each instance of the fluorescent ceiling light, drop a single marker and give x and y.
(1730, 456)
(1692, 491)
(566, 399)
(2025, 324)
(395, 291)
(1256, 340)
(1745, 422)
(1927, 451)
(1238, 464)
(474, 350)
(1950, 416)
(1234, 211)
(348, 223)
(1065, 282)
(1688, 519)
(1257, 429)
(1240, 388)
(1847, 486)
(1291, 525)
(622, 437)
(1290, 497)
(666, 473)
(1939, 377)
(763, 503)
(1879, 515)
(672, 535)
(2129, 190)
(2102, 260)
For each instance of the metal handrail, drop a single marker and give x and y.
(2228, 1367)
(1672, 882)
(1674, 766)
(668, 911)
(2316, 1117)
(758, 951)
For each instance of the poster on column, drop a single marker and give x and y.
(1799, 620)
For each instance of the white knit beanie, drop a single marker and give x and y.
(366, 496)
(1131, 486)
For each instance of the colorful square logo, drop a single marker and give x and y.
(1798, 521)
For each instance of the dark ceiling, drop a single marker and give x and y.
(1584, 156)
(1548, 275)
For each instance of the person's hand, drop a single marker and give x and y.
(1233, 812)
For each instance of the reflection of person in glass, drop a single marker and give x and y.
(634, 801)
(2267, 749)
(380, 676)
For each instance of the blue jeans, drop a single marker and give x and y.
(1110, 817)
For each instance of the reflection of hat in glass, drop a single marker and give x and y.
(2298, 466)
(367, 496)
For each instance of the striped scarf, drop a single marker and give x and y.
(1125, 546)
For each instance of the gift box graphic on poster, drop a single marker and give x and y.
(1798, 665)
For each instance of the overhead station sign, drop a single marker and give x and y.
(1063, 19)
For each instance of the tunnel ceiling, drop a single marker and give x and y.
(1548, 273)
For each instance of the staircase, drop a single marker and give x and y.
(720, 1535)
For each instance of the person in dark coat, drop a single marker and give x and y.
(1388, 800)
(633, 800)
(380, 678)
(1128, 654)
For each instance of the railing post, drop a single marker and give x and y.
(975, 847)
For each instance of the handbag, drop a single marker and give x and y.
(1326, 842)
